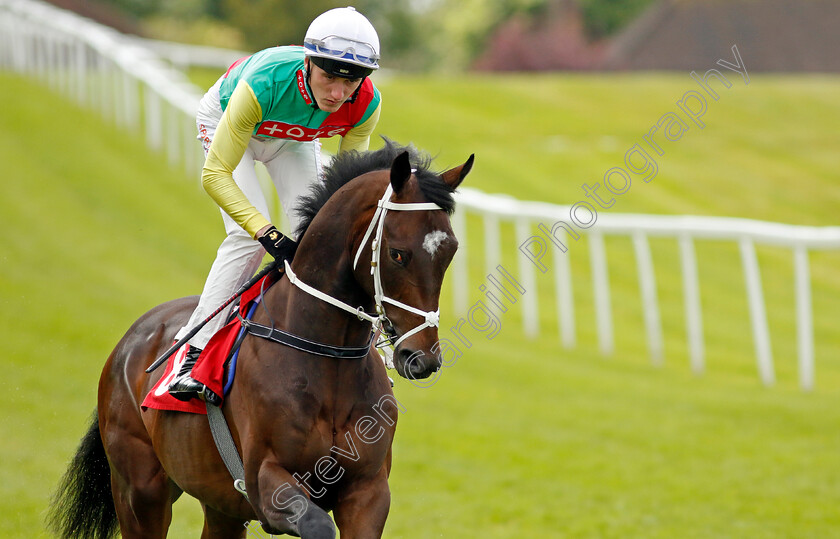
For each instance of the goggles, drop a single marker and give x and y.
(348, 54)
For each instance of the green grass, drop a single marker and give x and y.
(520, 438)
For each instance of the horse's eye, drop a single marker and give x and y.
(398, 256)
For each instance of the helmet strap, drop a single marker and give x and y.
(356, 93)
(306, 74)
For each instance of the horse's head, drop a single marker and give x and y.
(376, 234)
(410, 255)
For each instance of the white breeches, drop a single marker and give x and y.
(293, 167)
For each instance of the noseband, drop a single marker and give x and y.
(379, 320)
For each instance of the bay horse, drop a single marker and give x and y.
(314, 433)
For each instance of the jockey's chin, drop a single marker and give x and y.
(416, 364)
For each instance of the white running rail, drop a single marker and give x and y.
(495, 209)
(105, 70)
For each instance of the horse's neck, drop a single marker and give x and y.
(324, 262)
(312, 318)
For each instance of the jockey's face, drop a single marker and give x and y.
(330, 92)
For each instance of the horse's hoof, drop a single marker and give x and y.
(316, 525)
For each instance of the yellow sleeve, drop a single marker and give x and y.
(358, 138)
(242, 114)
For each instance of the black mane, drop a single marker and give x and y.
(350, 165)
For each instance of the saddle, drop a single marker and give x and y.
(216, 367)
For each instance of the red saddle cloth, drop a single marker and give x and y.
(210, 367)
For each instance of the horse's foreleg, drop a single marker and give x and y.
(220, 526)
(361, 510)
(284, 507)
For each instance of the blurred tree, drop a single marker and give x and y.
(184, 10)
(605, 17)
(196, 31)
(466, 26)
(460, 28)
(403, 32)
(416, 35)
(214, 8)
(138, 8)
(266, 23)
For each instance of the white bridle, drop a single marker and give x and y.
(377, 223)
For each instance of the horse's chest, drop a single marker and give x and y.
(339, 433)
(358, 444)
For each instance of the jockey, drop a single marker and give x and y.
(273, 107)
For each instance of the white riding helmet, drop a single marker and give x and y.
(343, 43)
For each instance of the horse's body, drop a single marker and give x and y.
(286, 430)
(314, 432)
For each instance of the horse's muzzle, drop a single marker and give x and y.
(416, 364)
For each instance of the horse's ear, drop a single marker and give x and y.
(456, 175)
(400, 171)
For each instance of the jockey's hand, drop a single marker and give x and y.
(279, 246)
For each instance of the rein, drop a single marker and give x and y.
(379, 321)
(305, 345)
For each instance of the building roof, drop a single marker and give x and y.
(772, 35)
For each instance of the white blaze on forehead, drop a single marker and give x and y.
(433, 240)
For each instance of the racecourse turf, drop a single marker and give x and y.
(521, 437)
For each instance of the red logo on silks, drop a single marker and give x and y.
(302, 87)
(300, 133)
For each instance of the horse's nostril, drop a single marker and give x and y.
(412, 361)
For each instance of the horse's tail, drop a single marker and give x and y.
(82, 507)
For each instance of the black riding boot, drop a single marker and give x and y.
(184, 387)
